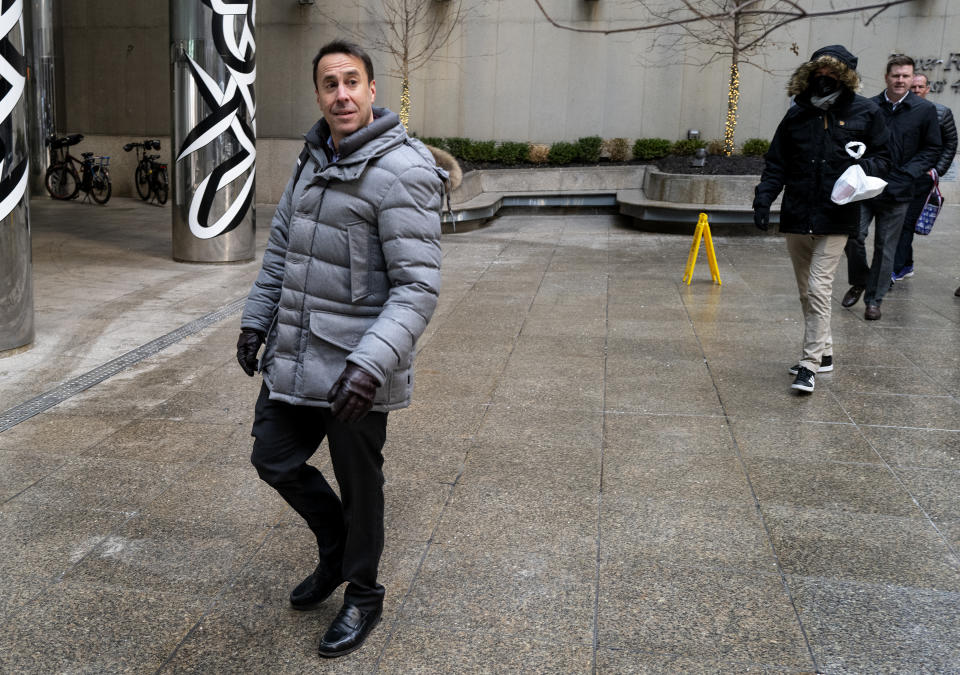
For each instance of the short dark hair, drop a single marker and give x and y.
(342, 47)
(900, 60)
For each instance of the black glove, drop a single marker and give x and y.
(351, 396)
(761, 217)
(248, 344)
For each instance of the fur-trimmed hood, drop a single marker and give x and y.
(842, 62)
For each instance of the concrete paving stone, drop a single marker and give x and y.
(413, 507)
(471, 319)
(536, 595)
(674, 532)
(648, 437)
(685, 347)
(534, 466)
(857, 488)
(937, 491)
(57, 432)
(167, 441)
(191, 559)
(219, 494)
(682, 476)
(414, 648)
(577, 387)
(46, 541)
(17, 589)
(665, 387)
(581, 312)
(812, 441)
(701, 613)
(861, 627)
(90, 483)
(749, 391)
(650, 328)
(527, 426)
(921, 448)
(423, 458)
(487, 515)
(19, 470)
(450, 338)
(877, 380)
(856, 547)
(241, 637)
(203, 406)
(451, 419)
(82, 627)
(630, 662)
(950, 529)
(557, 348)
(898, 410)
(550, 326)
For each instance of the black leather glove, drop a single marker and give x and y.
(248, 344)
(351, 396)
(761, 217)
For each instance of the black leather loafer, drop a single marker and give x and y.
(871, 313)
(348, 630)
(312, 591)
(850, 297)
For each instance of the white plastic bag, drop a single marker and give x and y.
(853, 184)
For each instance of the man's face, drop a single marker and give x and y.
(920, 86)
(344, 94)
(898, 80)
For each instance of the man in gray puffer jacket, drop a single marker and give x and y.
(349, 280)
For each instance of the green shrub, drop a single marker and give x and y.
(589, 149)
(562, 152)
(434, 141)
(687, 146)
(618, 149)
(510, 153)
(482, 151)
(458, 147)
(756, 147)
(651, 148)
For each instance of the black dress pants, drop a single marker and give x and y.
(349, 529)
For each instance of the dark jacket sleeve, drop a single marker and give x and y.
(948, 133)
(930, 146)
(877, 161)
(771, 180)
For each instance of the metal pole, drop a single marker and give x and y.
(40, 88)
(213, 111)
(16, 283)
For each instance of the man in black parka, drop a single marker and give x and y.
(806, 157)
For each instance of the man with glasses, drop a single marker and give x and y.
(903, 261)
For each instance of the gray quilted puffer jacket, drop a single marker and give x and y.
(352, 266)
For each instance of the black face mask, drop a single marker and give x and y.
(823, 85)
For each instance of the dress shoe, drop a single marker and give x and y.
(872, 312)
(348, 630)
(957, 292)
(851, 296)
(312, 591)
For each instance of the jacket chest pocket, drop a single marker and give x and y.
(366, 262)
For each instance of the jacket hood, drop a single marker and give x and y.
(838, 58)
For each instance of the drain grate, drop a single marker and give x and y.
(35, 406)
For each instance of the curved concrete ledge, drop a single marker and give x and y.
(639, 191)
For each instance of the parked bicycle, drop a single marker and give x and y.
(150, 176)
(62, 179)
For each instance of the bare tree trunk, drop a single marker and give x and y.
(733, 90)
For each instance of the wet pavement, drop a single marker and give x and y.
(604, 470)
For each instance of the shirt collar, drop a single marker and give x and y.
(894, 104)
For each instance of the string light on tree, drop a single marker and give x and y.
(405, 103)
(733, 103)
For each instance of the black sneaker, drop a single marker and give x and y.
(826, 365)
(804, 381)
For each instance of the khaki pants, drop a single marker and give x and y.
(815, 259)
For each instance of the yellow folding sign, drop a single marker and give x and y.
(702, 232)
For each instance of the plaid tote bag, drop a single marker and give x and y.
(930, 210)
